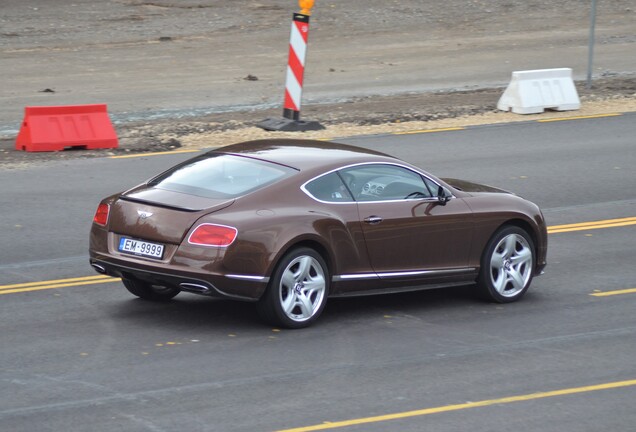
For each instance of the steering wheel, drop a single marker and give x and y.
(416, 194)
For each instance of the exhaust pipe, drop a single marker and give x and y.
(195, 288)
(98, 268)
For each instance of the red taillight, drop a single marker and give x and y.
(213, 235)
(101, 215)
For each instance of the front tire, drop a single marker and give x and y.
(150, 292)
(297, 292)
(507, 265)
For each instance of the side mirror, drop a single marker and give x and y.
(443, 196)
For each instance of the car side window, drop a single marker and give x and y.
(383, 182)
(329, 188)
(431, 186)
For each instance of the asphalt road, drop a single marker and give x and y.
(92, 357)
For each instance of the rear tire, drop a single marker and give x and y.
(507, 265)
(297, 292)
(150, 292)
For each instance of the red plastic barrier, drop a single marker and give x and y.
(54, 128)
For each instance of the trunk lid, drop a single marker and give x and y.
(160, 215)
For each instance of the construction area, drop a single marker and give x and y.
(203, 73)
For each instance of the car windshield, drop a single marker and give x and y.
(220, 176)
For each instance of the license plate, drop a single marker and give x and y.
(141, 248)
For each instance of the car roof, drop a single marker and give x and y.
(305, 154)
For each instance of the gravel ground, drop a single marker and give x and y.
(370, 115)
(374, 66)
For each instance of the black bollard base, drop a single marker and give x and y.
(289, 125)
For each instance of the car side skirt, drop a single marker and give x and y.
(403, 274)
(401, 289)
(353, 285)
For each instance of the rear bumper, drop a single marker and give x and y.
(237, 287)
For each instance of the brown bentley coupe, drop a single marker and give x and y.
(288, 223)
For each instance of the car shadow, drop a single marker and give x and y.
(187, 311)
(442, 305)
(408, 302)
(191, 311)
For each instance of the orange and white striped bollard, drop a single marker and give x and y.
(294, 77)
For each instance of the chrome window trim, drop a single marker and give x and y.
(427, 199)
(412, 169)
(303, 187)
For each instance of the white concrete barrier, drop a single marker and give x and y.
(534, 91)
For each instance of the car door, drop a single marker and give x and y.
(408, 232)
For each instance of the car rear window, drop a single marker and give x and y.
(221, 176)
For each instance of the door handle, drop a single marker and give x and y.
(373, 220)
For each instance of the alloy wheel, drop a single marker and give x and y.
(302, 288)
(511, 265)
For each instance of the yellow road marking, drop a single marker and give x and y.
(51, 284)
(154, 154)
(579, 117)
(608, 223)
(89, 280)
(429, 131)
(612, 293)
(463, 406)
(592, 116)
